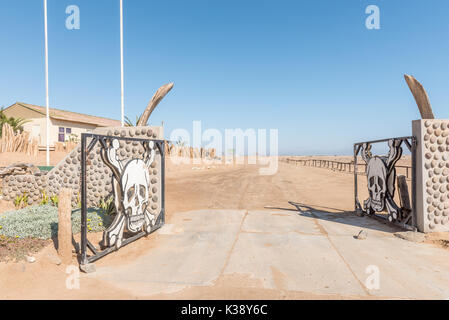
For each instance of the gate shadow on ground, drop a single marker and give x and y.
(341, 216)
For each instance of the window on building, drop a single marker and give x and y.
(63, 133)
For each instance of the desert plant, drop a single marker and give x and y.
(41, 222)
(15, 123)
(73, 138)
(21, 201)
(24, 200)
(129, 123)
(17, 202)
(45, 198)
(107, 206)
(78, 200)
(55, 200)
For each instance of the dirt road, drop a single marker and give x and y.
(231, 234)
(242, 187)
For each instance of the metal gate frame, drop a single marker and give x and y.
(85, 150)
(411, 143)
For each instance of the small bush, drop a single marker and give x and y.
(55, 200)
(45, 198)
(107, 206)
(41, 222)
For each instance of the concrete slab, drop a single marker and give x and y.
(191, 254)
(406, 269)
(285, 251)
(279, 222)
(292, 262)
(348, 223)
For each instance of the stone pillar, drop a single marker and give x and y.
(432, 174)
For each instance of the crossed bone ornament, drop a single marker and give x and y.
(381, 176)
(131, 188)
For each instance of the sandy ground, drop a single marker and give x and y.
(7, 158)
(195, 187)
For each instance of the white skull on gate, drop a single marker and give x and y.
(377, 183)
(135, 183)
(131, 195)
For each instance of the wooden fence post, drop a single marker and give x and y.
(404, 196)
(65, 225)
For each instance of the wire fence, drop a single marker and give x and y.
(344, 166)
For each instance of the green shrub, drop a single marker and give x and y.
(21, 201)
(55, 200)
(45, 199)
(41, 222)
(107, 206)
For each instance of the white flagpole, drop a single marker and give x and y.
(46, 87)
(121, 64)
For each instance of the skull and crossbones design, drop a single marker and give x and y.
(381, 176)
(131, 189)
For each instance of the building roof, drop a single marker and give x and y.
(58, 114)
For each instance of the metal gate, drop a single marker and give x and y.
(381, 182)
(132, 171)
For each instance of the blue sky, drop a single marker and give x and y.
(310, 69)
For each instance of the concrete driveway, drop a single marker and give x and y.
(284, 250)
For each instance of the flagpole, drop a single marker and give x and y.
(121, 64)
(46, 88)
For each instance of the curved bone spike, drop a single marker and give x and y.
(421, 97)
(111, 154)
(366, 152)
(394, 154)
(152, 153)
